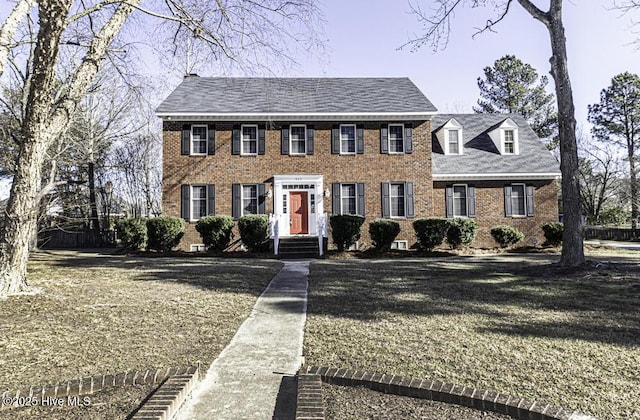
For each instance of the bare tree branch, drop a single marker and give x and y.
(9, 28)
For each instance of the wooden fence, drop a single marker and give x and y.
(612, 234)
(77, 239)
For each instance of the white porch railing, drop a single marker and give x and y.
(322, 223)
(274, 231)
(322, 230)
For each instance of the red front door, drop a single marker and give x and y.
(299, 213)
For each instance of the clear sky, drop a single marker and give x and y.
(363, 36)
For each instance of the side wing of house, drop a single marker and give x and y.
(493, 168)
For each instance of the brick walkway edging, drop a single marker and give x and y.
(515, 407)
(92, 384)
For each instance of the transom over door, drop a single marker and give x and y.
(299, 213)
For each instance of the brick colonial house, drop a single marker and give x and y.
(301, 148)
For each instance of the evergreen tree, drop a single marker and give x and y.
(514, 87)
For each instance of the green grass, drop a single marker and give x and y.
(513, 323)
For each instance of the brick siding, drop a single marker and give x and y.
(223, 169)
(372, 168)
(490, 209)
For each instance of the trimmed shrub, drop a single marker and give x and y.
(383, 232)
(215, 231)
(132, 233)
(430, 232)
(345, 230)
(164, 233)
(506, 235)
(462, 231)
(254, 231)
(553, 233)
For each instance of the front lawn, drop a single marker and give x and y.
(510, 323)
(103, 314)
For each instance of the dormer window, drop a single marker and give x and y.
(505, 137)
(509, 142)
(453, 141)
(450, 137)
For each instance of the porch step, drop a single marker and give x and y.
(294, 248)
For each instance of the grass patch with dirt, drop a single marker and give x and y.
(515, 324)
(100, 314)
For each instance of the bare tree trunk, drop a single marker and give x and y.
(22, 209)
(43, 124)
(634, 191)
(94, 222)
(572, 240)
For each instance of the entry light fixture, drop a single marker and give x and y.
(327, 193)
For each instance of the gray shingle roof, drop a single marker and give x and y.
(480, 156)
(225, 95)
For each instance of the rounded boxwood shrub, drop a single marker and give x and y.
(345, 230)
(553, 233)
(383, 232)
(430, 232)
(462, 231)
(506, 235)
(254, 231)
(215, 231)
(164, 233)
(132, 233)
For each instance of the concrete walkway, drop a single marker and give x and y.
(244, 381)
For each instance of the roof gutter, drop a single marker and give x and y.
(296, 116)
(496, 176)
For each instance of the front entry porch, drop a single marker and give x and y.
(298, 212)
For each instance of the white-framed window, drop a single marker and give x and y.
(460, 200)
(396, 138)
(347, 139)
(509, 142)
(348, 199)
(399, 245)
(249, 199)
(298, 139)
(396, 198)
(198, 248)
(199, 139)
(249, 139)
(518, 200)
(454, 142)
(198, 201)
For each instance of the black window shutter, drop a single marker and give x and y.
(360, 206)
(185, 202)
(284, 140)
(386, 205)
(235, 140)
(310, 139)
(507, 201)
(186, 139)
(360, 139)
(471, 201)
(261, 140)
(211, 139)
(335, 195)
(335, 139)
(236, 203)
(408, 138)
(384, 138)
(211, 200)
(449, 201)
(262, 209)
(530, 200)
(408, 200)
